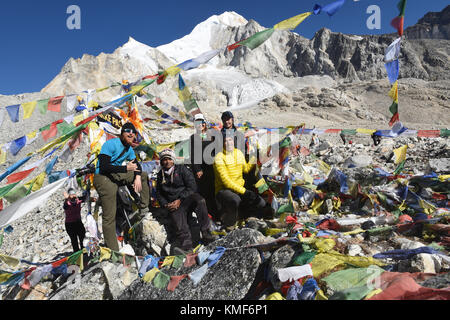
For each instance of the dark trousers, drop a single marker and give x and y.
(230, 207)
(179, 218)
(76, 233)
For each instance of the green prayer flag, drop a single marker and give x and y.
(288, 207)
(303, 258)
(400, 167)
(42, 106)
(401, 6)
(74, 257)
(348, 132)
(177, 262)
(393, 108)
(257, 39)
(4, 190)
(18, 193)
(445, 133)
(64, 127)
(161, 280)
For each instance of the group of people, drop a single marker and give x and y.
(216, 182)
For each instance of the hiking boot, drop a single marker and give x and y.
(208, 237)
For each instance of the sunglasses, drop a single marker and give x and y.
(129, 131)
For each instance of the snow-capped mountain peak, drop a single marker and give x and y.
(200, 38)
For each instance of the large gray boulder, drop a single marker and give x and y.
(229, 279)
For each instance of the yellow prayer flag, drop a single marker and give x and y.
(161, 147)
(2, 156)
(28, 109)
(105, 254)
(5, 276)
(427, 207)
(168, 261)
(149, 275)
(275, 296)
(321, 296)
(31, 135)
(365, 131)
(293, 22)
(102, 89)
(393, 93)
(173, 70)
(400, 154)
(372, 293)
(184, 94)
(10, 261)
(77, 119)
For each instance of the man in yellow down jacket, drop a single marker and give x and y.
(229, 167)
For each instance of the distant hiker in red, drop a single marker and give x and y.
(74, 225)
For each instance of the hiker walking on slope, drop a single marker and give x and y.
(74, 226)
(176, 194)
(111, 172)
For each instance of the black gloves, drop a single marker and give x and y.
(249, 196)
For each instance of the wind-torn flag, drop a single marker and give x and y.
(292, 23)
(398, 21)
(13, 112)
(393, 93)
(72, 101)
(330, 8)
(54, 104)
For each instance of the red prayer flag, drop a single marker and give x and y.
(397, 23)
(54, 104)
(19, 175)
(394, 119)
(50, 133)
(429, 133)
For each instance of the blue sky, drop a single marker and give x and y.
(36, 43)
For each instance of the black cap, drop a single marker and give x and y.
(226, 115)
(128, 125)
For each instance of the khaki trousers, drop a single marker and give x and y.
(107, 186)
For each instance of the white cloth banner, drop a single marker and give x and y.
(294, 273)
(71, 102)
(21, 207)
(393, 51)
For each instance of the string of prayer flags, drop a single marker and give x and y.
(398, 21)
(329, 9)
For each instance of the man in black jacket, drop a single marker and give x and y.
(176, 192)
(201, 160)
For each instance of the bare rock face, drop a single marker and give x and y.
(229, 279)
(434, 25)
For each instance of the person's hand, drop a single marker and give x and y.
(199, 174)
(137, 184)
(174, 205)
(249, 196)
(132, 166)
